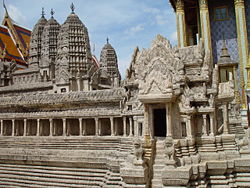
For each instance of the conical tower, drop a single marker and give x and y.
(49, 46)
(73, 46)
(36, 41)
(109, 63)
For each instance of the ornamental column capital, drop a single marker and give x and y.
(180, 5)
(239, 2)
(203, 4)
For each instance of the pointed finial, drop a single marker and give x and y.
(6, 11)
(43, 13)
(72, 8)
(107, 40)
(52, 12)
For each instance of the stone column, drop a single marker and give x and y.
(13, 127)
(64, 126)
(1, 122)
(205, 25)
(204, 125)
(25, 127)
(112, 126)
(146, 120)
(181, 24)
(169, 120)
(225, 118)
(80, 126)
(212, 127)
(84, 127)
(50, 127)
(242, 45)
(38, 127)
(189, 127)
(97, 127)
(124, 126)
(136, 127)
(131, 126)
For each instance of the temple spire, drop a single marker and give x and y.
(43, 13)
(107, 40)
(72, 7)
(52, 12)
(6, 11)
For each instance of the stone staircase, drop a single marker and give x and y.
(14, 175)
(59, 143)
(159, 163)
(236, 129)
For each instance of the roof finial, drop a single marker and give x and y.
(43, 13)
(107, 40)
(72, 8)
(6, 11)
(52, 12)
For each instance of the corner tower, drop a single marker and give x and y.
(108, 62)
(36, 41)
(49, 47)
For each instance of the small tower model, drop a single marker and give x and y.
(108, 62)
(36, 41)
(49, 47)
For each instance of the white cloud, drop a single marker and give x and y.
(16, 14)
(173, 36)
(133, 30)
(152, 10)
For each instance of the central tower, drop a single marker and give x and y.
(74, 55)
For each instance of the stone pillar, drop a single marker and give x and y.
(124, 126)
(181, 24)
(97, 133)
(212, 127)
(25, 127)
(13, 127)
(205, 25)
(136, 127)
(1, 122)
(225, 118)
(50, 127)
(38, 127)
(112, 126)
(84, 127)
(204, 125)
(64, 126)
(189, 127)
(169, 120)
(80, 126)
(146, 120)
(242, 45)
(131, 126)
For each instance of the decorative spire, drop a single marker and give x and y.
(52, 12)
(6, 11)
(43, 13)
(72, 8)
(107, 40)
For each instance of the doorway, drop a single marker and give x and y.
(160, 122)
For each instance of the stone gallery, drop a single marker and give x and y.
(66, 120)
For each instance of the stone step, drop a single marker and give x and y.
(11, 182)
(50, 176)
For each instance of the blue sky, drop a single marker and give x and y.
(127, 23)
